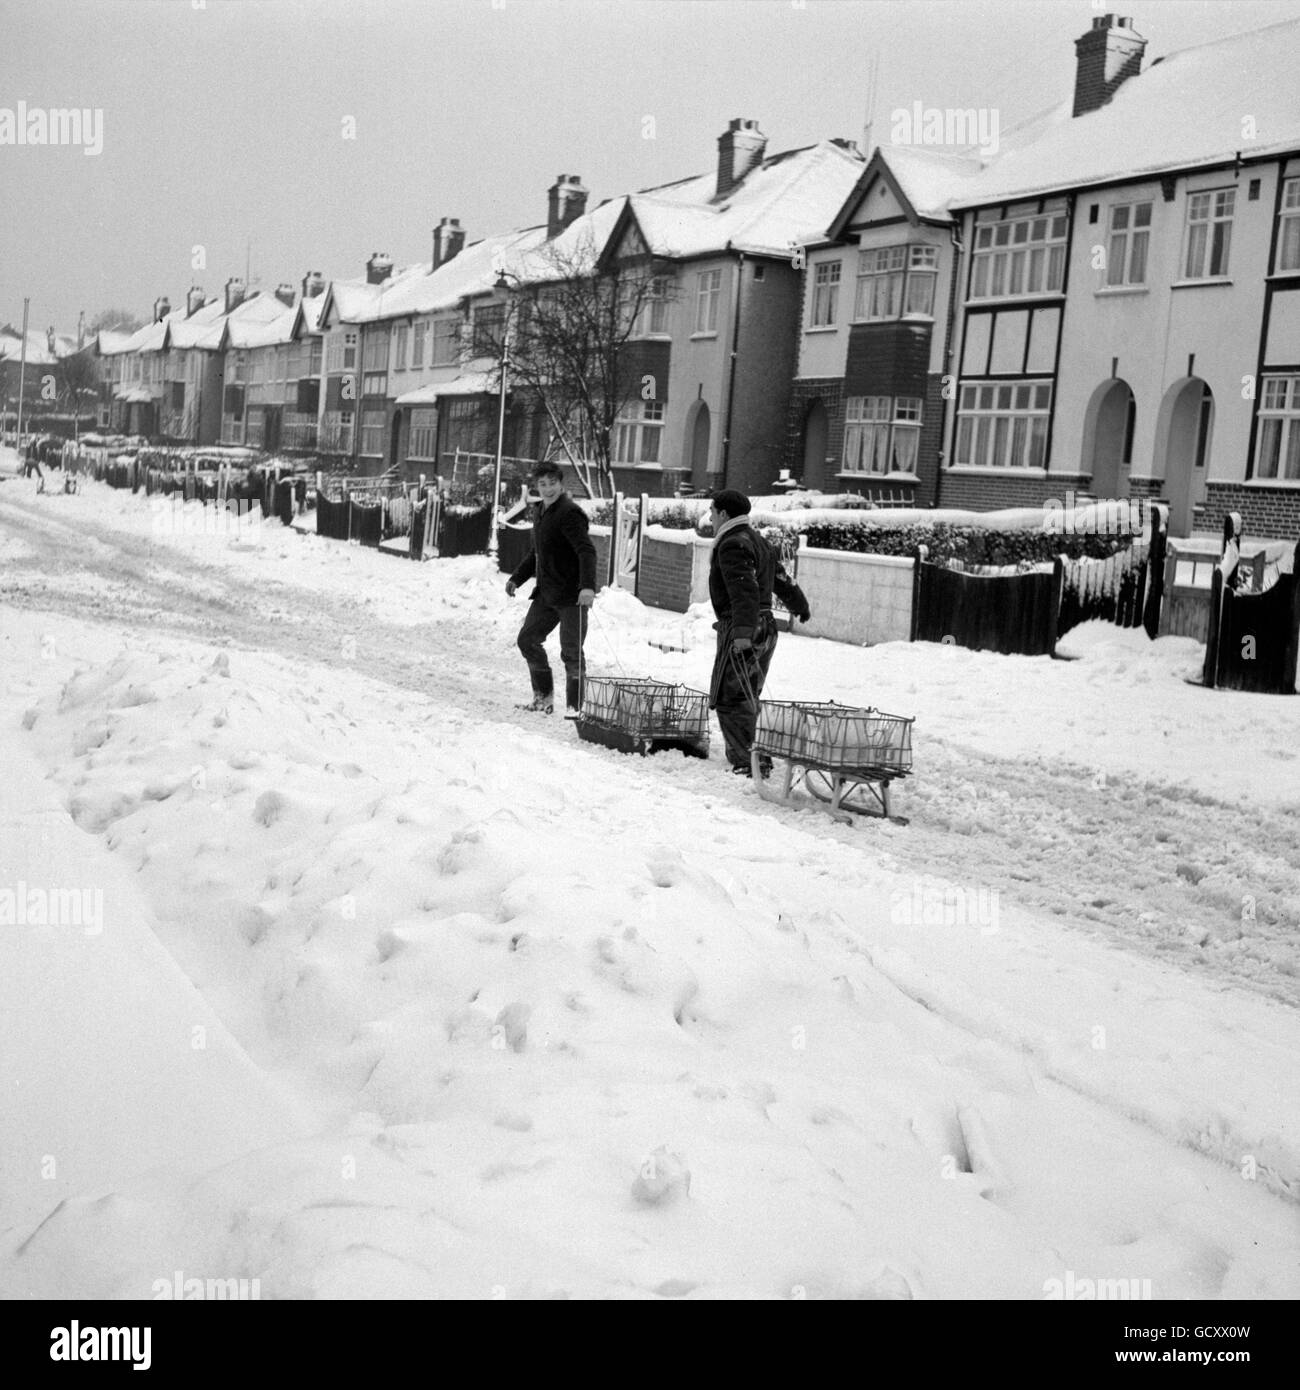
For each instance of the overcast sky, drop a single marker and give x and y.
(224, 121)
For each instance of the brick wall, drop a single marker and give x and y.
(600, 539)
(887, 359)
(1273, 513)
(829, 390)
(988, 492)
(664, 580)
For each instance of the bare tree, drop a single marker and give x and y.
(78, 383)
(566, 335)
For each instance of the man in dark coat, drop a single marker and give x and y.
(563, 561)
(744, 571)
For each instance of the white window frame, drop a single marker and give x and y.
(445, 332)
(652, 314)
(1128, 243)
(1208, 246)
(418, 333)
(1288, 227)
(825, 295)
(1003, 424)
(401, 347)
(374, 420)
(638, 435)
(891, 278)
(1020, 257)
(708, 297)
(1277, 448)
(882, 435)
(423, 435)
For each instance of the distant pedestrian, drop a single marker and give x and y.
(744, 571)
(563, 562)
(32, 463)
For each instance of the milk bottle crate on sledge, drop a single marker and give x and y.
(844, 757)
(644, 716)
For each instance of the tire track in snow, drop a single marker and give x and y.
(1153, 868)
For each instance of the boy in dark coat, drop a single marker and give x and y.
(744, 571)
(563, 561)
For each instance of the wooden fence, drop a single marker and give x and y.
(1013, 614)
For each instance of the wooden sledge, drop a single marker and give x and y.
(843, 758)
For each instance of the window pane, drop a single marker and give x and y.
(1293, 448)
(1195, 251)
(963, 439)
(1038, 441)
(1019, 433)
(1115, 260)
(1000, 434)
(1270, 441)
(1137, 265)
(1222, 241)
(1288, 256)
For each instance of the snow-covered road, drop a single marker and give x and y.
(496, 968)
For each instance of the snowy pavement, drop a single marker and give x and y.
(516, 1016)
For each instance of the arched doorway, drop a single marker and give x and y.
(699, 429)
(1183, 435)
(815, 434)
(1108, 438)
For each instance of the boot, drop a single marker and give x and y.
(539, 704)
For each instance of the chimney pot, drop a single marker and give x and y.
(234, 293)
(1105, 58)
(566, 201)
(378, 268)
(193, 300)
(740, 148)
(162, 306)
(285, 294)
(448, 241)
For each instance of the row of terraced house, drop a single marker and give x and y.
(1107, 304)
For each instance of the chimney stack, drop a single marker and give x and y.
(1106, 56)
(566, 201)
(234, 293)
(284, 292)
(378, 268)
(740, 147)
(193, 300)
(448, 241)
(162, 306)
(313, 284)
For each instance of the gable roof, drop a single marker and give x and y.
(1183, 112)
(923, 181)
(781, 203)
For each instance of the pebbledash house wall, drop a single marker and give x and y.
(1155, 338)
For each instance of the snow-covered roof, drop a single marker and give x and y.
(201, 329)
(1183, 111)
(259, 321)
(783, 202)
(466, 384)
(38, 351)
(929, 179)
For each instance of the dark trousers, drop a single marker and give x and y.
(541, 621)
(737, 717)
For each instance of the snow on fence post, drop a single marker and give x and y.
(615, 533)
(921, 552)
(1054, 607)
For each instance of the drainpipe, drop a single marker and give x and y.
(731, 375)
(958, 249)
